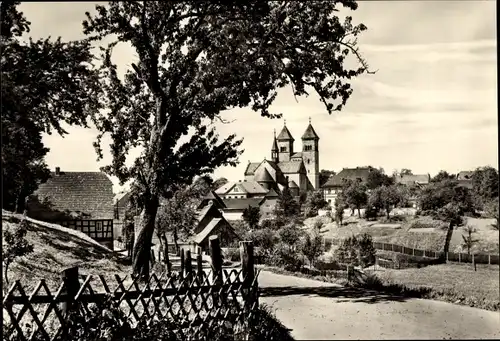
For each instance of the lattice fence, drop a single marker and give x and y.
(193, 302)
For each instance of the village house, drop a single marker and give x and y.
(334, 184)
(415, 181)
(78, 200)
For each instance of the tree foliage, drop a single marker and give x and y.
(357, 251)
(315, 201)
(386, 197)
(492, 211)
(324, 175)
(377, 178)
(442, 176)
(312, 245)
(438, 194)
(197, 59)
(286, 207)
(485, 182)
(251, 215)
(468, 239)
(356, 195)
(46, 84)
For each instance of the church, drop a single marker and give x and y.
(297, 170)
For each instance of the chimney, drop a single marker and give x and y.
(58, 170)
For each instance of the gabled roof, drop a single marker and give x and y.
(288, 167)
(88, 192)
(121, 199)
(250, 187)
(337, 180)
(209, 209)
(271, 194)
(251, 167)
(285, 135)
(465, 175)
(212, 196)
(262, 175)
(241, 204)
(410, 179)
(310, 134)
(212, 225)
(292, 184)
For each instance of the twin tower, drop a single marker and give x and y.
(283, 153)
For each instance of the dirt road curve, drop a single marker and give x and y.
(318, 310)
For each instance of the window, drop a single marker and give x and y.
(329, 201)
(329, 191)
(282, 149)
(308, 148)
(308, 161)
(235, 189)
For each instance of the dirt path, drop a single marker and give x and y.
(318, 310)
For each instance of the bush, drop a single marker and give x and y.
(232, 254)
(265, 326)
(357, 250)
(284, 256)
(371, 213)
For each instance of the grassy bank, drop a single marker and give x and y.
(453, 283)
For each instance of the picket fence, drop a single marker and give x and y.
(460, 257)
(194, 300)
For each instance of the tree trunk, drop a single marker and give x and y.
(388, 212)
(142, 247)
(166, 258)
(359, 213)
(449, 234)
(176, 241)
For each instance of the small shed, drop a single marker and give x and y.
(219, 227)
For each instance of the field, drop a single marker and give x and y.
(420, 232)
(458, 281)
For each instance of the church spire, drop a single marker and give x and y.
(274, 149)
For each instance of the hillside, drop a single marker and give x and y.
(57, 248)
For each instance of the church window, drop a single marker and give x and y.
(282, 149)
(308, 161)
(307, 148)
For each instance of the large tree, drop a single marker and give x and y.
(485, 182)
(46, 83)
(387, 197)
(377, 178)
(356, 195)
(196, 59)
(315, 201)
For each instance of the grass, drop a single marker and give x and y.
(486, 236)
(456, 283)
(57, 248)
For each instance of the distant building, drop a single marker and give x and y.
(413, 179)
(77, 200)
(464, 179)
(334, 184)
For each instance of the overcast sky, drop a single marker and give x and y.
(432, 104)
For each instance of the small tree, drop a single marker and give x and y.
(312, 246)
(15, 245)
(450, 214)
(386, 197)
(356, 251)
(314, 202)
(287, 208)
(356, 196)
(468, 241)
(340, 206)
(251, 215)
(289, 234)
(492, 212)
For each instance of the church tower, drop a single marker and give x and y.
(310, 154)
(285, 144)
(274, 149)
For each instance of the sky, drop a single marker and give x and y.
(430, 106)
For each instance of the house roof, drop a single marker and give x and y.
(121, 199)
(292, 184)
(298, 154)
(337, 180)
(465, 183)
(211, 226)
(209, 209)
(212, 196)
(87, 192)
(310, 134)
(262, 175)
(410, 179)
(241, 204)
(465, 175)
(271, 194)
(285, 135)
(288, 167)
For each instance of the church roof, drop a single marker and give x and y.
(292, 184)
(275, 143)
(251, 167)
(285, 135)
(288, 167)
(310, 133)
(262, 175)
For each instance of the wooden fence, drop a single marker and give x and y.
(195, 300)
(461, 257)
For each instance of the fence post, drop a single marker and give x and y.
(72, 285)
(248, 271)
(182, 263)
(460, 257)
(473, 262)
(447, 257)
(392, 246)
(489, 259)
(215, 254)
(413, 251)
(189, 265)
(199, 268)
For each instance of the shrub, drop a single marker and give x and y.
(357, 250)
(232, 254)
(403, 261)
(15, 245)
(285, 257)
(265, 326)
(289, 234)
(371, 213)
(269, 224)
